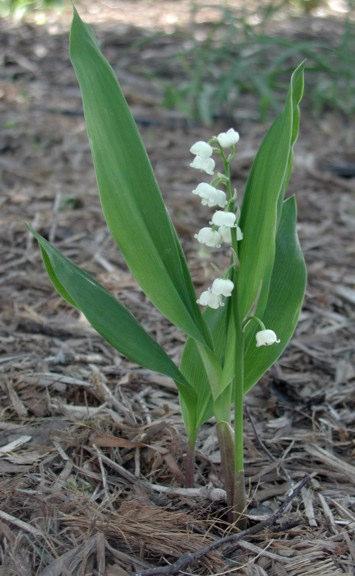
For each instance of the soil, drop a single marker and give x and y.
(91, 446)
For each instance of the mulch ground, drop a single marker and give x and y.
(91, 447)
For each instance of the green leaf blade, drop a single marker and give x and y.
(131, 201)
(262, 200)
(287, 288)
(109, 318)
(194, 368)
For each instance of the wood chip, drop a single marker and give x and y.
(307, 497)
(332, 461)
(20, 523)
(15, 444)
(109, 441)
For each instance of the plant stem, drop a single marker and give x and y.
(226, 447)
(239, 487)
(189, 464)
(231, 202)
(233, 453)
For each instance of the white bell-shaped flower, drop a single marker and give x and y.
(225, 233)
(209, 237)
(202, 149)
(221, 218)
(210, 196)
(266, 338)
(207, 298)
(203, 163)
(222, 287)
(229, 138)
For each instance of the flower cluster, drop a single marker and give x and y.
(222, 221)
(203, 161)
(203, 150)
(213, 296)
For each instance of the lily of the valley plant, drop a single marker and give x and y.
(236, 327)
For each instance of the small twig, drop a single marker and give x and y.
(20, 524)
(103, 473)
(213, 494)
(328, 513)
(190, 557)
(107, 395)
(263, 552)
(126, 474)
(257, 437)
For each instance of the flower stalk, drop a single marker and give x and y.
(239, 482)
(226, 446)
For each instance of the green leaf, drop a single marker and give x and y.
(130, 197)
(192, 367)
(109, 318)
(196, 373)
(287, 288)
(263, 194)
(298, 87)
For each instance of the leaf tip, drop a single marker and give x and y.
(75, 25)
(30, 229)
(75, 13)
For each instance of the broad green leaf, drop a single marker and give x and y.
(131, 201)
(265, 186)
(109, 318)
(287, 287)
(194, 369)
(297, 96)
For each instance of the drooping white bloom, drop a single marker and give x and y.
(222, 287)
(203, 163)
(227, 139)
(225, 233)
(209, 237)
(221, 218)
(207, 298)
(210, 196)
(202, 149)
(239, 234)
(266, 338)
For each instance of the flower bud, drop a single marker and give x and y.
(209, 237)
(202, 149)
(229, 138)
(222, 287)
(266, 338)
(205, 164)
(221, 218)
